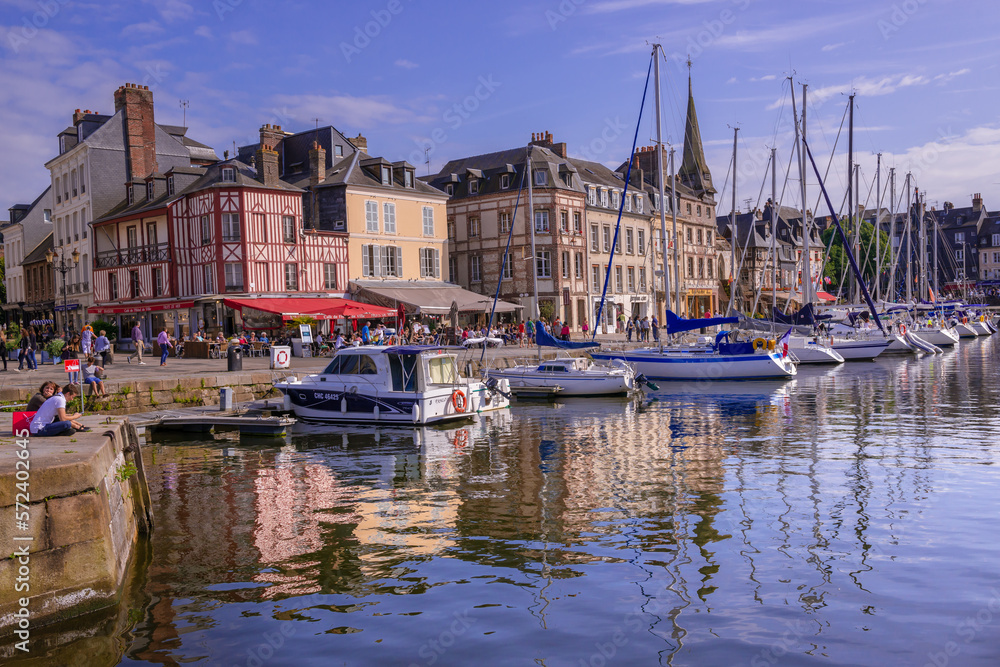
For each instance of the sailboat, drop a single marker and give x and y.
(564, 375)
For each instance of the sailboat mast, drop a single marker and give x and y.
(921, 245)
(774, 229)
(673, 218)
(531, 226)
(909, 243)
(878, 227)
(807, 283)
(934, 241)
(733, 233)
(892, 233)
(857, 229)
(663, 198)
(850, 181)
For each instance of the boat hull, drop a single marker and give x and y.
(528, 380)
(966, 330)
(860, 350)
(325, 401)
(938, 337)
(703, 365)
(809, 352)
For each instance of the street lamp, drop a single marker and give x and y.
(63, 267)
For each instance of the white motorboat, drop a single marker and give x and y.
(860, 349)
(407, 384)
(568, 376)
(812, 350)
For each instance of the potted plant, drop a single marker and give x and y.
(55, 348)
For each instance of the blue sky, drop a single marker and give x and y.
(469, 78)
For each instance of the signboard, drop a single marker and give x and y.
(62, 307)
(305, 333)
(72, 365)
(281, 356)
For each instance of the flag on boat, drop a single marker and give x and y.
(784, 343)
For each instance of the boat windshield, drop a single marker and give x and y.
(351, 364)
(402, 368)
(441, 370)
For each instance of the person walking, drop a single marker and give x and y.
(102, 346)
(32, 346)
(22, 350)
(655, 326)
(164, 341)
(86, 339)
(645, 329)
(366, 333)
(629, 326)
(3, 347)
(137, 341)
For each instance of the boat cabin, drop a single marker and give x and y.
(408, 368)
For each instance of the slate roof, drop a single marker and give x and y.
(38, 252)
(351, 170)
(492, 165)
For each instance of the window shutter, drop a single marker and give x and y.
(437, 262)
(399, 262)
(377, 261)
(365, 265)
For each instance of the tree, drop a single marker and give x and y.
(838, 267)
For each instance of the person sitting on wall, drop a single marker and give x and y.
(92, 375)
(51, 419)
(43, 394)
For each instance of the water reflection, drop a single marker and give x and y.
(826, 519)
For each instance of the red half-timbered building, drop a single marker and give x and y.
(202, 235)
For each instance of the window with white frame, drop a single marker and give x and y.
(449, 189)
(630, 276)
(452, 268)
(371, 260)
(541, 177)
(407, 178)
(371, 217)
(430, 263)
(157, 282)
(386, 176)
(594, 238)
(329, 275)
(595, 278)
(208, 277)
(428, 220)
(996, 240)
(960, 254)
(959, 237)
(577, 223)
(206, 230)
(543, 264)
(604, 198)
(288, 228)
(112, 286)
(474, 186)
(504, 181)
(504, 222)
(642, 278)
(508, 268)
(389, 217)
(150, 190)
(591, 196)
(607, 238)
(475, 268)
(473, 226)
(230, 226)
(170, 185)
(641, 241)
(564, 221)
(392, 261)
(629, 245)
(83, 181)
(228, 175)
(628, 203)
(291, 277)
(542, 221)
(615, 199)
(618, 279)
(578, 265)
(565, 264)
(638, 203)
(233, 272)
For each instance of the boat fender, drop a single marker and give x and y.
(458, 400)
(759, 343)
(771, 345)
(287, 403)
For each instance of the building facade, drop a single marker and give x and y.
(29, 224)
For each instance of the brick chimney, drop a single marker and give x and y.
(140, 129)
(977, 202)
(359, 142)
(317, 164)
(267, 165)
(271, 134)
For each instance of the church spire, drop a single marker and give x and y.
(694, 171)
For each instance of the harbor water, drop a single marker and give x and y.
(846, 517)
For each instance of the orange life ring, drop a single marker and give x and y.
(965, 320)
(458, 400)
(902, 328)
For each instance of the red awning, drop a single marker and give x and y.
(826, 296)
(141, 307)
(315, 307)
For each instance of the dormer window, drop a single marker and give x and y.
(504, 181)
(130, 194)
(170, 185)
(541, 177)
(474, 186)
(638, 203)
(450, 188)
(228, 175)
(47, 216)
(408, 178)
(604, 198)
(150, 190)
(386, 176)
(338, 150)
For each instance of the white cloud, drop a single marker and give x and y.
(203, 31)
(864, 87)
(406, 64)
(766, 77)
(244, 37)
(174, 10)
(732, 80)
(831, 47)
(945, 78)
(146, 28)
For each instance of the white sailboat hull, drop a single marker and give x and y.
(966, 330)
(808, 351)
(935, 336)
(528, 379)
(860, 350)
(701, 364)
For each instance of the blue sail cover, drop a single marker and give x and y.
(805, 316)
(544, 339)
(679, 325)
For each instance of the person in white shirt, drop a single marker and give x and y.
(51, 419)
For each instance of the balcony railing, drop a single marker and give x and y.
(159, 252)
